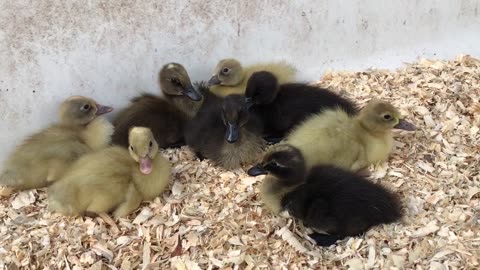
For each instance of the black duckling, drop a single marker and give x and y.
(225, 132)
(164, 116)
(230, 77)
(335, 203)
(44, 156)
(284, 106)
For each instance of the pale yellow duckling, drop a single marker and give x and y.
(229, 77)
(350, 142)
(43, 157)
(113, 179)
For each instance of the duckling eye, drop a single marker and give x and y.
(387, 117)
(131, 148)
(151, 144)
(175, 81)
(275, 164)
(85, 107)
(225, 70)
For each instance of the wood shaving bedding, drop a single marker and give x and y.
(213, 219)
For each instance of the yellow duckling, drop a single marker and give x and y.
(113, 179)
(229, 77)
(350, 142)
(44, 156)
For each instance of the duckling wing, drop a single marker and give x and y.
(165, 121)
(43, 156)
(327, 138)
(97, 182)
(340, 203)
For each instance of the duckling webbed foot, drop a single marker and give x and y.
(324, 240)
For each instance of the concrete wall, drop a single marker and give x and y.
(111, 50)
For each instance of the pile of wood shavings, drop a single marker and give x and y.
(213, 219)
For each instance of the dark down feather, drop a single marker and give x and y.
(165, 121)
(284, 106)
(341, 204)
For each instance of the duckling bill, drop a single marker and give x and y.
(334, 202)
(225, 132)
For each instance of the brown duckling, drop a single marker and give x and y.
(334, 202)
(349, 142)
(229, 77)
(164, 116)
(43, 157)
(113, 179)
(284, 106)
(225, 132)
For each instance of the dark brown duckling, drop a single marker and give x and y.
(284, 106)
(334, 202)
(225, 132)
(166, 116)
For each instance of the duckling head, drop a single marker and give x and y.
(380, 116)
(262, 88)
(79, 110)
(174, 81)
(234, 116)
(142, 147)
(283, 161)
(228, 72)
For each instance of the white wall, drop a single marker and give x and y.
(111, 50)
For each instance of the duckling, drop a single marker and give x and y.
(229, 77)
(349, 142)
(164, 116)
(113, 179)
(225, 132)
(284, 106)
(333, 202)
(43, 157)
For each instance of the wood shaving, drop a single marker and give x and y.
(211, 218)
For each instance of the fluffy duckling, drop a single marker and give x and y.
(335, 203)
(284, 106)
(225, 132)
(113, 179)
(349, 142)
(43, 157)
(164, 116)
(229, 77)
